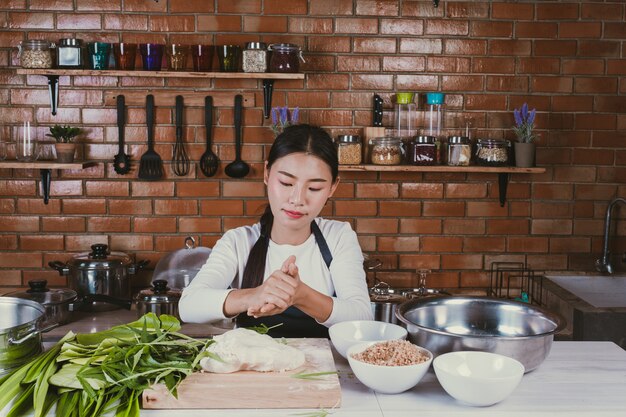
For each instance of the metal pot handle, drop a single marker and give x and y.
(59, 266)
(133, 269)
(32, 334)
(107, 299)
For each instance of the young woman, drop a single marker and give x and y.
(292, 269)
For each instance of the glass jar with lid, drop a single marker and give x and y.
(422, 151)
(386, 151)
(349, 149)
(459, 151)
(70, 53)
(492, 152)
(35, 53)
(255, 57)
(285, 57)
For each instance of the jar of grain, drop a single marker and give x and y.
(255, 57)
(386, 151)
(35, 54)
(459, 151)
(490, 152)
(422, 151)
(349, 149)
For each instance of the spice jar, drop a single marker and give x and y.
(459, 151)
(35, 54)
(422, 151)
(70, 53)
(490, 152)
(386, 151)
(255, 57)
(285, 57)
(349, 149)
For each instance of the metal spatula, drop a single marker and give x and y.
(151, 164)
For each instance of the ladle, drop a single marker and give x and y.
(237, 168)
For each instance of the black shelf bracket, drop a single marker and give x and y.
(53, 89)
(268, 89)
(503, 182)
(436, 3)
(45, 184)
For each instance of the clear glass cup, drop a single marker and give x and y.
(229, 57)
(26, 143)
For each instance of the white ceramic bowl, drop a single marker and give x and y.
(387, 379)
(347, 333)
(478, 378)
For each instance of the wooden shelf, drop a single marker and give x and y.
(441, 168)
(54, 74)
(46, 165)
(503, 172)
(163, 74)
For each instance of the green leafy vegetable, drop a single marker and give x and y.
(313, 375)
(263, 329)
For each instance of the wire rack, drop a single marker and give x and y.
(514, 280)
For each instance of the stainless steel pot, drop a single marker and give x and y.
(20, 332)
(58, 302)
(447, 323)
(100, 278)
(159, 299)
(384, 301)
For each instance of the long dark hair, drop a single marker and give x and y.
(301, 138)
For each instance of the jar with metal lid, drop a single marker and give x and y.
(255, 57)
(35, 54)
(386, 151)
(70, 53)
(349, 149)
(490, 152)
(459, 151)
(422, 151)
(159, 299)
(285, 57)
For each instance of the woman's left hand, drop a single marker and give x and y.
(289, 268)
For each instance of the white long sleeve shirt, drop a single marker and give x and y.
(203, 300)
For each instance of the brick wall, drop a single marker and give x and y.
(566, 58)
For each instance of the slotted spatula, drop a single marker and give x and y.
(151, 164)
(121, 161)
(208, 161)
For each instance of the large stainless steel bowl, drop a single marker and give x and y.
(450, 323)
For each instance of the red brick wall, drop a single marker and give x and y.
(566, 58)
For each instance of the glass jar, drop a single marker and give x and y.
(386, 151)
(70, 53)
(459, 151)
(254, 57)
(490, 152)
(35, 54)
(349, 149)
(422, 151)
(285, 57)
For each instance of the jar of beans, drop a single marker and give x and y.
(35, 54)
(285, 57)
(386, 151)
(349, 149)
(422, 151)
(491, 152)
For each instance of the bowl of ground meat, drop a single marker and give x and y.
(389, 367)
(348, 333)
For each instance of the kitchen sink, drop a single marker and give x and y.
(593, 305)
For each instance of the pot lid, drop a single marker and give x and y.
(100, 258)
(40, 293)
(178, 268)
(159, 293)
(384, 293)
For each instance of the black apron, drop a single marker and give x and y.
(295, 323)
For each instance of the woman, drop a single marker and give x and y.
(291, 269)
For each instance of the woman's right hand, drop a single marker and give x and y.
(277, 293)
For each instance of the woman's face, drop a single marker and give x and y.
(298, 186)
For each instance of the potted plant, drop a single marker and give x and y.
(525, 146)
(65, 146)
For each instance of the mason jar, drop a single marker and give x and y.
(459, 151)
(349, 149)
(386, 151)
(70, 53)
(254, 57)
(492, 152)
(422, 151)
(35, 54)
(285, 57)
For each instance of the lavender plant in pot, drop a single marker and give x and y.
(65, 146)
(524, 146)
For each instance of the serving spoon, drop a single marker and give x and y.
(237, 168)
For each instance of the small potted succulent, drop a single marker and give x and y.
(65, 146)
(523, 129)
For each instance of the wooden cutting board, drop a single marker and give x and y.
(250, 389)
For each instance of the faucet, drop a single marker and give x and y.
(604, 263)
